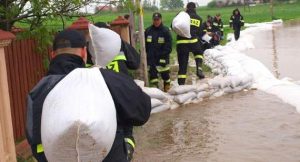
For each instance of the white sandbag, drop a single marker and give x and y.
(140, 83)
(160, 108)
(76, 126)
(174, 105)
(182, 98)
(206, 38)
(181, 24)
(182, 89)
(105, 45)
(155, 93)
(155, 102)
(203, 94)
(235, 81)
(197, 100)
(202, 87)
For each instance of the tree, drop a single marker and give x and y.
(35, 12)
(171, 4)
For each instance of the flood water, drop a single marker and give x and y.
(247, 126)
(279, 50)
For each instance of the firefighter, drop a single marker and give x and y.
(158, 48)
(218, 23)
(128, 58)
(236, 22)
(133, 106)
(186, 45)
(213, 33)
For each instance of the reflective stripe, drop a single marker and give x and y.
(154, 80)
(161, 40)
(39, 148)
(162, 61)
(120, 57)
(205, 30)
(187, 41)
(215, 24)
(195, 22)
(168, 81)
(182, 76)
(199, 56)
(88, 65)
(222, 29)
(230, 20)
(149, 40)
(162, 69)
(242, 21)
(128, 140)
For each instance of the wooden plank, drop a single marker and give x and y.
(7, 146)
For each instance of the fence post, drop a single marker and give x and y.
(7, 145)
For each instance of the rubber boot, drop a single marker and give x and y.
(167, 87)
(200, 73)
(129, 146)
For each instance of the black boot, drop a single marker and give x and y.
(200, 73)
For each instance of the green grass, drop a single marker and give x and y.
(258, 13)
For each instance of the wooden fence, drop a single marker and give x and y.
(24, 69)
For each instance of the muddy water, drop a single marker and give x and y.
(279, 50)
(248, 126)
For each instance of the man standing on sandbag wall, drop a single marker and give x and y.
(133, 106)
(158, 48)
(236, 22)
(187, 45)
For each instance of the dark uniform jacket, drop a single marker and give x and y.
(219, 25)
(196, 22)
(158, 44)
(132, 104)
(236, 21)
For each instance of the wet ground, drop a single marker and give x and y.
(248, 126)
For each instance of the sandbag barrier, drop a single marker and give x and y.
(188, 94)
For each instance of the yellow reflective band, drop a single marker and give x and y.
(195, 22)
(187, 41)
(242, 21)
(205, 30)
(113, 66)
(199, 56)
(162, 69)
(39, 148)
(128, 140)
(88, 65)
(161, 40)
(168, 81)
(222, 29)
(182, 76)
(162, 61)
(120, 57)
(230, 20)
(149, 40)
(215, 24)
(154, 80)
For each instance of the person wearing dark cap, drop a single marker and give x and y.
(158, 48)
(236, 22)
(187, 45)
(218, 23)
(132, 105)
(212, 31)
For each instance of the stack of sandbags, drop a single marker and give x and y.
(185, 94)
(181, 24)
(160, 101)
(76, 126)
